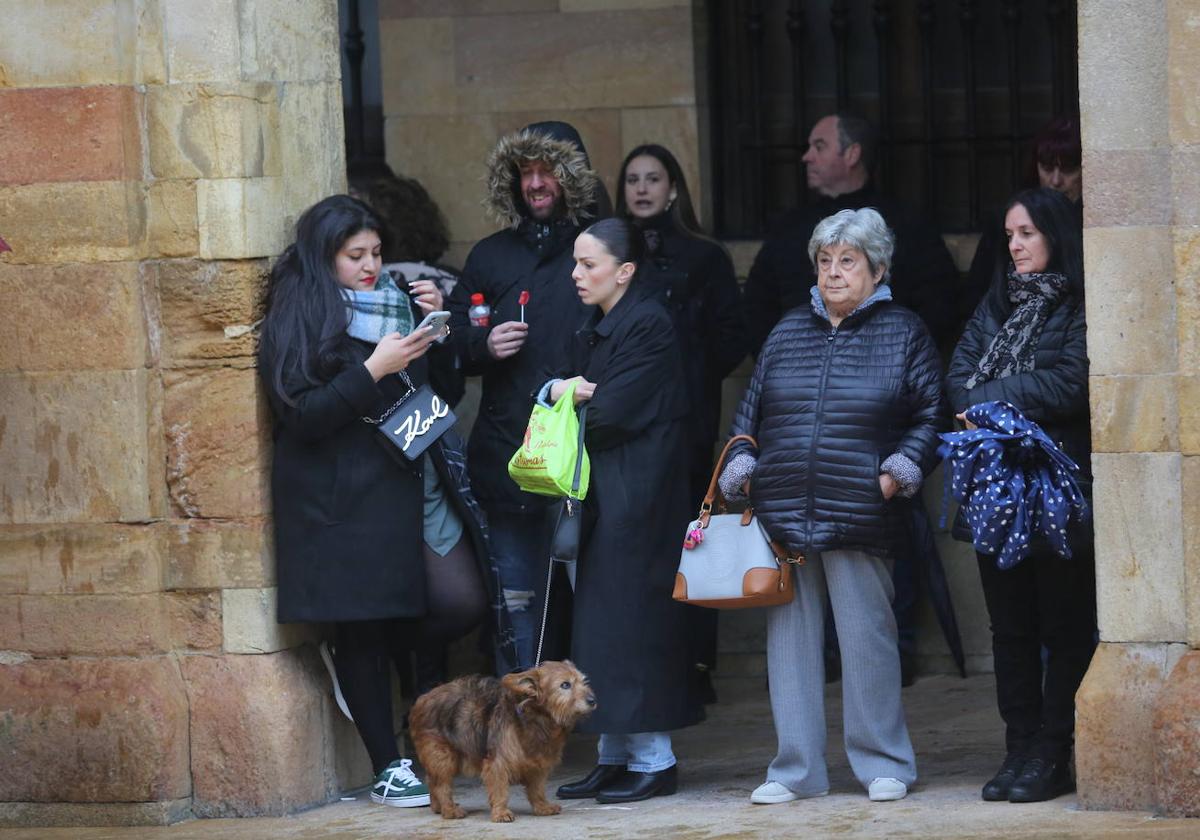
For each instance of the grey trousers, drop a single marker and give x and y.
(876, 736)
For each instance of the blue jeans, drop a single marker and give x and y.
(519, 545)
(641, 752)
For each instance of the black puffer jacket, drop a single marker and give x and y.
(1054, 394)
(526, 256)
(827, 406)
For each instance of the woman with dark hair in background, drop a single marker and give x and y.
(1055, 162)
(387, 550)
(693, 277)
(1026, 344)
(628, 635)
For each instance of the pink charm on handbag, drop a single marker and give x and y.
(695, 536)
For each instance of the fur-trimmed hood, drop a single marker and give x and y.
(558, 144)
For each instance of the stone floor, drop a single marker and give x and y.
(955, 730)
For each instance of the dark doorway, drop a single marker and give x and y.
(956, 88)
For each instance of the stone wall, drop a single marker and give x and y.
(458, 74)
(1139, 706)
(153, 156)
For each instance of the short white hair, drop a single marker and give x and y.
(863, 229)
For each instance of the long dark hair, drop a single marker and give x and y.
(306, 317)
(1058, 143)
(620, 238)
(682, 213)
(1057, 219)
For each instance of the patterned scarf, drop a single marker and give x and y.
(385, 309)
(1012, 348)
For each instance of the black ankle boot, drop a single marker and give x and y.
(601, 776)
(1041, 780)
(997, 788)
(635, 787)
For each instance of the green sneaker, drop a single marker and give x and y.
(399, 786)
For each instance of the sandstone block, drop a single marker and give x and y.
(171, 219)
(312, 146)
(91, 814)
(72, 317)
(1187, 297)
(216, 441)
(673, 127)
(202, 40)
(251, 627)
(219, 554)
(1126, 187)
(78, 447)
(1123, 86)
(81, 559)
(69, 134)
(1184, 71)
(92, 221)
(596, 60)
(256, 720)
(287, 41)
(121, 43)
(1185, 185)
(87, 625)
(232, 220)
(121, 724)
(1139, 547)
(1114, 736)
(1188, 396)
(1177, 740)
(421, 50)
(1134, 414)
(1137, 319)
(213, 130)
(194, 620)
(1191, 546)
(208, 309)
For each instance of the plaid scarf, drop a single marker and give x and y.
(1011, 350)
(385, 309)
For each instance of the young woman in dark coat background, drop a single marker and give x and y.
(693, 277)
(628, 636)
(1026, 344)
(386, 549)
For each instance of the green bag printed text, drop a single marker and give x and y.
(545, 463)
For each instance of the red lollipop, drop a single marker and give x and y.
(522, 300)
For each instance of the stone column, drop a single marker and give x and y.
(153, 157)
(1138, 711)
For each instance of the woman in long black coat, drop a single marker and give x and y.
(386, 549)
(628, 635)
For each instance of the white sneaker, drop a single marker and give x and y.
(327, 658)
(886, 790)
(772, 793)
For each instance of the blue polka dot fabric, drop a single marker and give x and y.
(1013, 483)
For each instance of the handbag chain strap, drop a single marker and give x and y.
(383, 417)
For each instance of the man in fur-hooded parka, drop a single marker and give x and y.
(542, 189)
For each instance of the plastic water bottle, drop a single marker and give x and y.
(480, 314)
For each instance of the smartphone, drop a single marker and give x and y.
(435, 321)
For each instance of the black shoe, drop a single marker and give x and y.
(638, 786)
(997, 788)
(601, 777)
(1041, 780)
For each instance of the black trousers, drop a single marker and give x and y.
(1044, 604)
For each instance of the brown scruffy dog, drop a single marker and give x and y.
(504, 731)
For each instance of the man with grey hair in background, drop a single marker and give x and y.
(841, 152)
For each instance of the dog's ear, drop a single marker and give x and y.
(523, 683)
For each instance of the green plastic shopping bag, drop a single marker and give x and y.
(545, 463)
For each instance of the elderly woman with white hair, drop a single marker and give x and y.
(846, 403)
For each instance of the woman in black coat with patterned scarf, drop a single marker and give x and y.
(1027, 344)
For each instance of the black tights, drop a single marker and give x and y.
(456, 602)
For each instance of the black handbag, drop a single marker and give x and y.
(415, 420)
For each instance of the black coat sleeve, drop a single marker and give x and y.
(323, 409)
(470, 342)
(761, 297)
(925, 279)
(628, 393)
(924, 385)
(725, 337)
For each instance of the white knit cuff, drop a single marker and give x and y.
(737, 469)
(906, 472)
